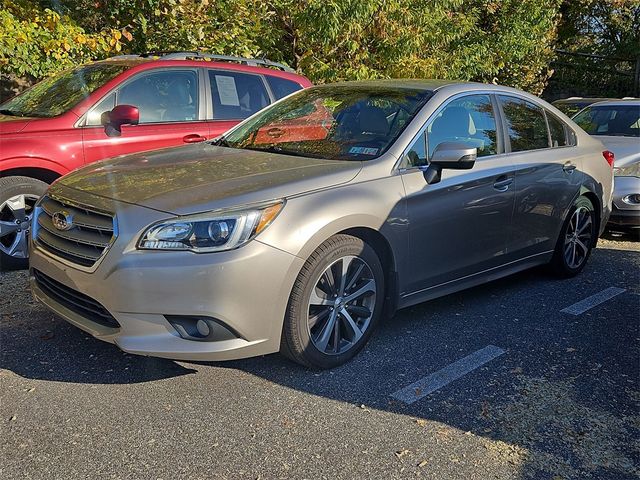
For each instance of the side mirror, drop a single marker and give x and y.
(124, 115)
(451, 155)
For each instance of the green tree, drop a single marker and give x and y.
(36, 41)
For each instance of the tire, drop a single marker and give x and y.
(573, 250)
(13, 252)
(305, 322)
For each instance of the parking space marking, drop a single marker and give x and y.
(592, 301)
(446, 375)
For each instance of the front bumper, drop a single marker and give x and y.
(625, 213)
(245, 289)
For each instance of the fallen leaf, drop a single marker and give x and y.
(423, 463)
(401, 453)
(421, 422)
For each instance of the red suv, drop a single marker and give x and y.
(121, 105)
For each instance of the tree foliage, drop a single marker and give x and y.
(36, 41)
(506, 41)
(606, 27)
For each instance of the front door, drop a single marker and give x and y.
(170, 115)
(459, 226)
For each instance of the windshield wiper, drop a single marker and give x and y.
(221, 142)
(274, 149)
(11, 113)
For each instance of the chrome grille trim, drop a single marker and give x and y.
(85, 243)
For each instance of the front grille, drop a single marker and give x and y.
(75, 301)
(85, 242)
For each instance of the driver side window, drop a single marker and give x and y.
(469, 120)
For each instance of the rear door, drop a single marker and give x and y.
(547, 174)
(232, 97)
(172, 113)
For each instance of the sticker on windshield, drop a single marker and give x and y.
(364, 150)
(227, 90)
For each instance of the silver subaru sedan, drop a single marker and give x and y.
(299, 229)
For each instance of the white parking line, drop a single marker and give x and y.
(590, 302)
(446, 375)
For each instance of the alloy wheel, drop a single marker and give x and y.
(341, 305)
(15, 224)
(578, 237)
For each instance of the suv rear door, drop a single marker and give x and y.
(172, 112)
(234, 95)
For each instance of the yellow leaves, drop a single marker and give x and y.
(126, 34)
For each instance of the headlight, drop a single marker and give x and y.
(632, 170)
(210, 232)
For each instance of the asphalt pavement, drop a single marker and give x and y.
(525, 377)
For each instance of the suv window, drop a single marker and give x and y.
(470, 120)
(94, 117)
(282, 87)
(525, 123)
(557, 130)
(166, 96)
(236, 95)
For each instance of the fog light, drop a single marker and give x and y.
(633, 199)
(203, 328)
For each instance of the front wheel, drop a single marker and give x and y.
(18, 196)
(335, 304)
(577, 238)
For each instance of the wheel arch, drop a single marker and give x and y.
(383, 249)
(597, 207)
(43, 174)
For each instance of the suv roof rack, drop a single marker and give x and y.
(187, 55)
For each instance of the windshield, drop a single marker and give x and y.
(615, 120)
(340, 122)
(60, 92)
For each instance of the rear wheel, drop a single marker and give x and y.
(18, 196)
(577, 238)
(335, 304)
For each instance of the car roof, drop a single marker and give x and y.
(617, 103)
(582, 100)
(259, 66)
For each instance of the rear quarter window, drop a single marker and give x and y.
(282, 87)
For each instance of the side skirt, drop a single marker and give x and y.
(475, 279)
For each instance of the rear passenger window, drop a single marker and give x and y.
(469, 120)
(557, 130)
(281, 87)
(526, 124)
(236, 95)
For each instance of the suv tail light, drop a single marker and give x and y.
(609, 157)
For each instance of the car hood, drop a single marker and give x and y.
(194, 179)
(625, 149)
(11, 124)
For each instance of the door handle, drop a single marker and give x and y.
(193, 138)
(502, 184)
(569, 167)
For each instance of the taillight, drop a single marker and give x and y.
(609, 157)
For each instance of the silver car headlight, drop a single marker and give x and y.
(632, 170)
(213, 232)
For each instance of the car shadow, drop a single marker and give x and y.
(541, 402)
